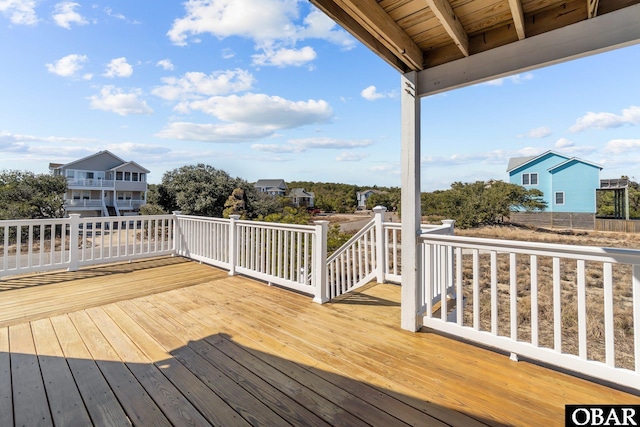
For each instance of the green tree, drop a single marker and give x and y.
(481, 203)
(235, 204)
(25, 195)
(200, 190)
(390, 199)
(289, 215)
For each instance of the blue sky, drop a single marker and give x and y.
(273, 89)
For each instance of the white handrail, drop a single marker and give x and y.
(495, 304)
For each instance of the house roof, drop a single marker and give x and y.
(279, 183)
(462, 42)
(517, 162)
(300, 192)
(574, 159)
(131, 163)
(99, 153)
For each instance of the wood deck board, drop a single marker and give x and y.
(173, 342)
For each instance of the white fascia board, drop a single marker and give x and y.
(601, 34)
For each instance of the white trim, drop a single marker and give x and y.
(601, 34)
(555, 198)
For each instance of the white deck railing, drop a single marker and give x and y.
(69, 243)
(373, 253)
(575, 307)
(292, 256)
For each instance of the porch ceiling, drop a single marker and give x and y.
(416, 35)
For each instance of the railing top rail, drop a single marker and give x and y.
(201, 218)
(26, 222)
(349, 242)
(593, 253)
(277, 225)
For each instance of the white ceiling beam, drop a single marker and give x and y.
(518, 17)
(600, 34)
(448, 19)
(592, 8)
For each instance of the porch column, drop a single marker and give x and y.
(411, 209)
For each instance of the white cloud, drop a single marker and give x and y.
(166, 64)
(260, 109)
(272, 24)
(116, 100)
(195, 85)
(118, 67)
(320, 26)
(113, 14)
(346, 156)
(515, 79)
(256, 19)
(134, 148)
(564, 143)
(540, 132)
(65, 15)
(233, 132)
(629, 116)
(371, 93)
(621, 146)
(306, 144)
(20, 12)
(285, 57)
(67, 66)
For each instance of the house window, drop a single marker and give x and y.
(134, 176)
(127, 176)
(559, 196)
(529, 179)
(118, 176)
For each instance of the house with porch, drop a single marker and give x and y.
(302, 198)
(568, 184)
(103, 184)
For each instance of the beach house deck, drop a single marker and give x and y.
(169, 341)
(170, 320)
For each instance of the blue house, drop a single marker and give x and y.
(569, 184)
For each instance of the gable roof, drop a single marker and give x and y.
(300, 192)
(132, 163)
(574, 159)
(279, 183)
(517, 162)
(99, 153)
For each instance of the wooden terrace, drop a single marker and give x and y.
(168, 341)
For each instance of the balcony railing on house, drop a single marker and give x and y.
(129, 204)
(574, 307)
(83, 203)
(91, 183)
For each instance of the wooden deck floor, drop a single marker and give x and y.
(174, 342)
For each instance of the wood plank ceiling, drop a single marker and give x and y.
(413, 35)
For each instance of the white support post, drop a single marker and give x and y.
(233, 243)
(177, 233)
(320, 263)
(411, 209)
(74, 252)
(381, 243)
